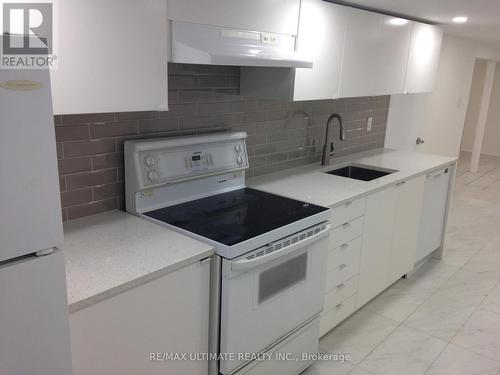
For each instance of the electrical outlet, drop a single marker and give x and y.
(369, 124)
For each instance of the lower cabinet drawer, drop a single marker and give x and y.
(340, 293)
(304, 341)
(333, 317)
(346, 232)
(343, 263)
(348, 211)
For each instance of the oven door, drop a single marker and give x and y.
(271, 292)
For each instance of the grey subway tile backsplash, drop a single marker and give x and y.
(137, 115)
(108, 190)
(87, 118)
(205, 98)
(74, 165)
(179, 110)
(105, 161)
(75, 197)
(94, 178)
(158, 125)
(113, 129)
(72, 133)
(72, 149)
(87, 209)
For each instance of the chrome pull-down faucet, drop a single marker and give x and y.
(325, 157)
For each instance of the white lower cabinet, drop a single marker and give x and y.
(390, 236)
(374, 243)
(377, 240)
(332, 318)
(342, 263)
(432, 220)
(409, 198)
(341, 292)
(341, 235)
(166, 315)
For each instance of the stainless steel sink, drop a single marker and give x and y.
(361, 172)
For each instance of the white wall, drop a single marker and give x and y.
(438, 117)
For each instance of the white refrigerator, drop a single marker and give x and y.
(34, 328)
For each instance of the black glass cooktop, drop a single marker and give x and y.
(236, 216)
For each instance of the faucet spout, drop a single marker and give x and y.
(325, 157)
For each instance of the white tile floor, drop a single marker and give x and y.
(445, 319)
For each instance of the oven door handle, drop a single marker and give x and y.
(246, 264)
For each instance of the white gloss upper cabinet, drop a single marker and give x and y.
(423, 58)
(375, 54)
(321, 36)
(108, 60)
(361, 53)
(278, 16)
(392, 56)
(354, 53)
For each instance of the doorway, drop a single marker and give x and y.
(481, 136)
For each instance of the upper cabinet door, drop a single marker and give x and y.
(392, 56)
(354, 53)
(423, 58)
(112, 56)
(361, 53)
(277, 16)
(321, 38)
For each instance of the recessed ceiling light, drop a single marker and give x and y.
(460, 19)
(398, 21)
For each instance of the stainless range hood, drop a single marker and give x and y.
(206, 44)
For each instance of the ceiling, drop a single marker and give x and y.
(484, 15)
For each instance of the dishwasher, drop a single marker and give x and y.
(433, 213)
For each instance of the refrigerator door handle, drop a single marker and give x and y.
(44, 252)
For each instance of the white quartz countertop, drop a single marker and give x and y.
(112, 252)
(310, 183)
(109, 253)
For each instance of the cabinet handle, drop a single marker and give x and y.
(346, 225)
(347, 204)
(340, 286)
(401, 183)
(344, 246)
(342, 266)
(339, 306)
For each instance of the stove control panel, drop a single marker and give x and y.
(160, 171)
(190, 161)
(199, 161)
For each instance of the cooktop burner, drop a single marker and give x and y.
(236, 216)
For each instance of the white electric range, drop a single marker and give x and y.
(268, 275)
